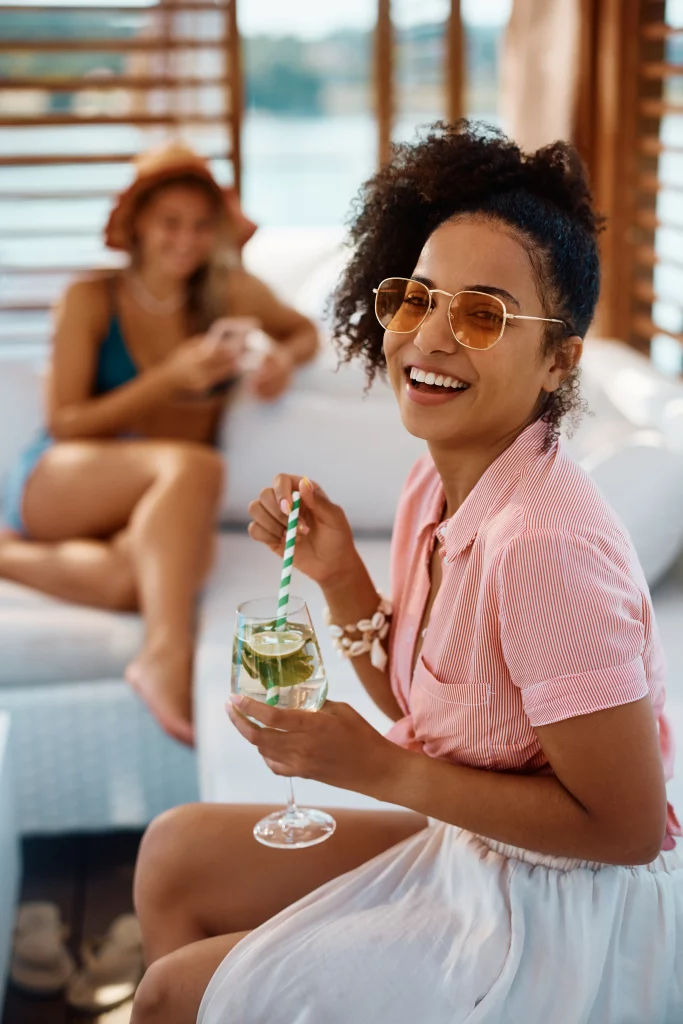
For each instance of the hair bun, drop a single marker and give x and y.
(559, 175)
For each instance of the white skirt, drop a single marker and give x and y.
(447, 927)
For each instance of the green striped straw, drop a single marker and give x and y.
(286, 580)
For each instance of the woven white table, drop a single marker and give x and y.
(9, 854)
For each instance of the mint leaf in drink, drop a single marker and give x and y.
(276, 657)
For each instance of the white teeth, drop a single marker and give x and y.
(436, 380)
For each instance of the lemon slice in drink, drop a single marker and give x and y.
(276, 644)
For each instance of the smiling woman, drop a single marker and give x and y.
(525, 674)
(526, 214)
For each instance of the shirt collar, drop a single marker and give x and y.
(491, 492)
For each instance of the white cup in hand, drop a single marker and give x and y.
(231, 331)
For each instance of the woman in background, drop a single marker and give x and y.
(114, 505)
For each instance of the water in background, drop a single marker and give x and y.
(298, 171)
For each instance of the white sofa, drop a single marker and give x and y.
(87, 754)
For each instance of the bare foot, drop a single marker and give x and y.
(162, 675)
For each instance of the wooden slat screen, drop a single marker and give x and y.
(384, 79)
(82, 90)
(656, 230)
(385, 72)
(630, 128)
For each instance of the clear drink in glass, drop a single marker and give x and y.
(282, 667)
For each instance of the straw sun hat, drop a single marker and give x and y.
(165, 163)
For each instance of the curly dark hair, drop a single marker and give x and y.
(469, 167)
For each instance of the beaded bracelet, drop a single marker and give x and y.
(365, 637)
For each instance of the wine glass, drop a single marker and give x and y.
(282, 667)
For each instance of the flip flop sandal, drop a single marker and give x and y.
(112, 968)
(41, 964)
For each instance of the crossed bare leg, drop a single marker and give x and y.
(155, 504)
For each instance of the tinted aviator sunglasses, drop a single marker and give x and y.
(477, 319)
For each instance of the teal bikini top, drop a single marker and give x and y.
(114, 364)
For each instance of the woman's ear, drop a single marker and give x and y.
(565, 358)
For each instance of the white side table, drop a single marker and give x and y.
(9, 854)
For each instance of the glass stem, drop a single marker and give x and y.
(292, 809)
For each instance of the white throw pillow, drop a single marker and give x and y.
(356, 449)
(642, 480)
(638, 471)
(21, 408)
(285, 258)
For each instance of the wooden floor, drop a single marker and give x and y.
(90, 878)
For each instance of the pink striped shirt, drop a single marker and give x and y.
(543, 612)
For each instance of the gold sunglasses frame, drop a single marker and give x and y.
(452, 296)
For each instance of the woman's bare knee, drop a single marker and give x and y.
(172, 989)
(164, 867)
(154, 999)
(91, 489)
(200, 466)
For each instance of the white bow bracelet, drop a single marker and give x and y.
(365, 637)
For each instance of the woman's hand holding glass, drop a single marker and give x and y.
(325, 549)
(336, 746)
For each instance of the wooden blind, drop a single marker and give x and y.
(630, 128)
(657, 216)
(82, 91)
(385, 72)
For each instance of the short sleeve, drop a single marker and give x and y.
(572, 628)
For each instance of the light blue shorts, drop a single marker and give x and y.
(14, 483)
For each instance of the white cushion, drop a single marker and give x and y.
(642, 480)
(285, 258)
(326, 375)
(355, 448)
(21, 407)
(315, 292)
(43, 640)
(630, 382)
(639, 471)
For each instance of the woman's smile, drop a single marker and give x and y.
(432, 385)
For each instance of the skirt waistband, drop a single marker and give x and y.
(667, 861)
